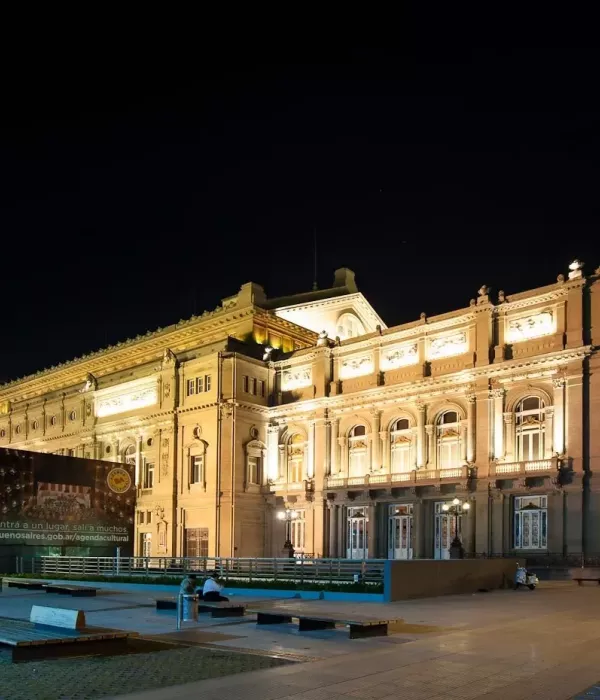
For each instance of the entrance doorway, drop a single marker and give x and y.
(358, 534)
(400, 535)
(445, 530)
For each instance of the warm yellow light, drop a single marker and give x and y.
(280, 515)
(456, 502)
(466, 506)
(445, 507)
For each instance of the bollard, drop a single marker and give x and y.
(187, 608)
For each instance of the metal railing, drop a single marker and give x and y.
(263, 569)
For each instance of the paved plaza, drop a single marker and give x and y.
(497, 645)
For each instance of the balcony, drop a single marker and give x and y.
(280, 485)
(420, 477)
(531, 468)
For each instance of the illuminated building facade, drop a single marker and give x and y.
(310, 403)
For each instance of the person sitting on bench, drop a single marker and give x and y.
(211, 592)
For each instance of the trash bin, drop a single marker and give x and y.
(189, 604)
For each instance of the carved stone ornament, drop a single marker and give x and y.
(167, 390)
(91, 384)
(197, 432)
(168, 359)
(254, 432)
(164, 464)
(165, 443)
(88, 409)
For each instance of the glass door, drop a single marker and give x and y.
(445, 530)
(358, 534)
(400, 536)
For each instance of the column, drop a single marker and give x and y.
(559, 415)
(343, 443)
(272, 452)
(282, 469)
(138, 460)
(310, 448)
(333, 529)
(341, 532)
(464, 436)
(384, 439)
(498, 397)
(420, 436)
(418, 526)
(549, 432)
(372, 533)
(471, 429)
(335, 446)
(431, 446)
(510, 436)
(376, 442)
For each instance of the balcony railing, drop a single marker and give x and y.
(530, 468)
(416, 476)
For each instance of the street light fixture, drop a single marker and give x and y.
(457, 507)
(288, 516)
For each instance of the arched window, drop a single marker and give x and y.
(295, 459)
(401, 446)
(129, 455)
(529, 425)
(357, 451)
(448, 440)
(348, 326)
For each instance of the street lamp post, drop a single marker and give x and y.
(457, 551)
(288, 515)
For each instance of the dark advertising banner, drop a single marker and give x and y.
(65, 501)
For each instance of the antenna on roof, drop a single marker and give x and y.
(315, 286)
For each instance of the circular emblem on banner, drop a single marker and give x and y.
(118, 480)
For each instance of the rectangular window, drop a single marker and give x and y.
(297, 532)
(191, 387)
(141, 517)
(449, 454)
(254, 470)
(196, 542)
(148, 481)
(197, 469)
(207, 382)
(149, 517)
(261, 385)
(162, 539)
(401, 458)
(531, 522)
(253, 386)
(245, 383)
(199, 385)
(146, 544)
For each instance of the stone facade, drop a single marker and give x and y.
(310, 403)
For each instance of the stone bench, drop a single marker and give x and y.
(360, 626)
(52, 631)
(74, 591)
(222, 608)
(216, 608)
(583, 574)
(28, 585)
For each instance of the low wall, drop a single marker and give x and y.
(428, 578)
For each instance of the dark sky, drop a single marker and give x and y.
(134, 192)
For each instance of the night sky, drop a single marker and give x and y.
(134, 193)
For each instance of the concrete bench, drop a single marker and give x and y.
(74, 591)
(28, 585)
(216, 608)
(581, 579)
(222, 608)
(51, 631)
(360, 626)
